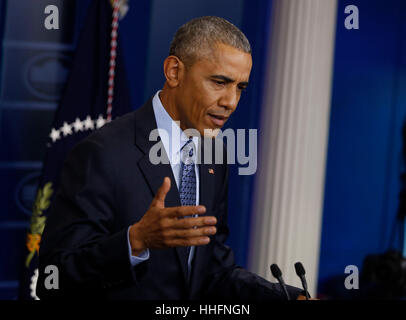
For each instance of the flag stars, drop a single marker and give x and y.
(89, 124)
(100, 122)
(66, 129)
(55, 135)
(77, 125)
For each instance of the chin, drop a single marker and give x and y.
(211, 132)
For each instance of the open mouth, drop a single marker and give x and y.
(217, 120)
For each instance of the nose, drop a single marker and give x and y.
(229, 99)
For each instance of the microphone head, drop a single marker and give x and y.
(300, 271)
(276, 272)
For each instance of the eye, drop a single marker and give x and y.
(242, 88)
(219, 82)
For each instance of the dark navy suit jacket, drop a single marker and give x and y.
(107, 184)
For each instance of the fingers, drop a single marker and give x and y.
(179, 242)
(159, 199)
(188, 223)
(184, 211)
(187, 234)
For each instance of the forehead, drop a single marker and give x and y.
(228, 61)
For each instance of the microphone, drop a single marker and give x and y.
(300, 271)
(277, 273)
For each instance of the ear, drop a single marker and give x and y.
(173, 70)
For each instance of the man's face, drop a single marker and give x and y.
(210, 89)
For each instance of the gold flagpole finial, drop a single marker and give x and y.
(123, 7)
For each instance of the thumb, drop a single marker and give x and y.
(159, 199)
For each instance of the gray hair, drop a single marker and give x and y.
(200, 35)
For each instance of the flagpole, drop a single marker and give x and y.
(113, 54)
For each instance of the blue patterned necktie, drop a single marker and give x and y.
(187, 190)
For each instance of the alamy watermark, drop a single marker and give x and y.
(352, 20)
(241, 147)
(51, 281)
(352, 280)
(52, 19)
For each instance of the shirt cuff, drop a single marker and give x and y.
(134, 260)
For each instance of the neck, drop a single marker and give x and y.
(168, 102)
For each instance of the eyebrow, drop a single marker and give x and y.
(227, 79)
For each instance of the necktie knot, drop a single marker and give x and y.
(188, 152)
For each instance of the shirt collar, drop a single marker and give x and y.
(169, 130)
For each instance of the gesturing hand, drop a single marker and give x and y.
(162, 227)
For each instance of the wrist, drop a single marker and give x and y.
(137, 245)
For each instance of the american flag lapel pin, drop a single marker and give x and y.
(211, 171)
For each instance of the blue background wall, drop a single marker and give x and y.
(364, 152)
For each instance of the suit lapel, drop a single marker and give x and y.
(154, 174)
(206, 175)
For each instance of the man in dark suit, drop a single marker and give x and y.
(123, 227)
